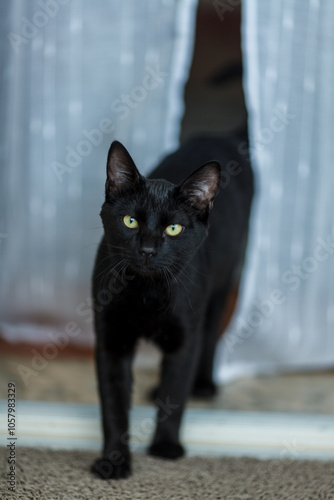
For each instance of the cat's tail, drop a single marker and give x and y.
(226, 74)
(242, 132)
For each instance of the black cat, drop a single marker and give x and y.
(163, 273)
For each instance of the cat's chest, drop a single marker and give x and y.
(149, 308)
(147, 294)
(154, 315)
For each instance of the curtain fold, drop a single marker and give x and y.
(77, 75)
(285, 317)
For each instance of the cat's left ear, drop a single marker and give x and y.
(201, 187)
(122, 172)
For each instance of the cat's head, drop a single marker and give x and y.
(153, 225)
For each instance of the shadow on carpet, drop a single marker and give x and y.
(64, 475)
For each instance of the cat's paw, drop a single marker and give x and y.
(204, 389)
(105, 469)
(164, 449)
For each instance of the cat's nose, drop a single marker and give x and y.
(147, 251)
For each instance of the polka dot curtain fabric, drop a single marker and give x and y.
(285, 318)
(77, 75)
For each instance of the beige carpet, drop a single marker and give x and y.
(64, 475)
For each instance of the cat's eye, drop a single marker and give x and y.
(174, 229)
(130, 222)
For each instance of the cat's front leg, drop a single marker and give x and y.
(178, 371)
(114, 378)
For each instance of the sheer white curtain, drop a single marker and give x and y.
(285, 318)
(76, 75)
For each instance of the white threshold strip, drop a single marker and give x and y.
(205, 432)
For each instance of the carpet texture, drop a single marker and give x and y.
(64, 475)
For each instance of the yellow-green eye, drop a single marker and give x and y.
(173, 229)
(130, 221)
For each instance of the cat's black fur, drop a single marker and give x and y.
(168, 289)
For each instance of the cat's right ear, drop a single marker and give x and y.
(122, 172)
